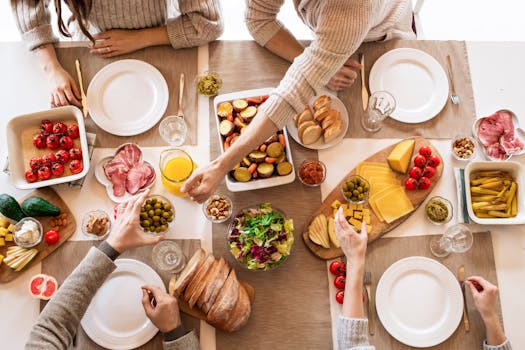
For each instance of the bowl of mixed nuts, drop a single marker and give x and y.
(463, 147)
(217, 208)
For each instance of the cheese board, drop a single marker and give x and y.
(411, 199)
(6, 273)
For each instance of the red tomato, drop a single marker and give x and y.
(428, 172)
(76, 166)
(415, 172)
(35, 163)
(75, 153)
(72, 131)
(420, 161)
(49, 158)
(66, 142)
(31, 176)
(425, 151)
(39, 141)
(51, 237)
(52, 141)
(46, 127)
(57, 169)
(59, 128)
(424, 183)
(339, 282)
(44, 172)
(340, 296)
(62, 156)
(433, 161)
(410, 183)
(337, 267)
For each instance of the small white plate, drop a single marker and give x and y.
(336, 104)
(419, 301)
(115, 318)
(415, 79)
(127, 97)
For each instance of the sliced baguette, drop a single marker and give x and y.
(332, 118)
(302, 127)
(215, 288)
(305, 116)
(332, 132)
(322, 101)
(322, 113)
(189, 271)
(240, 313)
(225, 302)
(311, 134)
(194, 288)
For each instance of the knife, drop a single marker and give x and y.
(364, 91)
(461, 279)
(82, 94)
(180, 112)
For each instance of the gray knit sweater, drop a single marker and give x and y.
(339, 27)
(199, 23)
(57, 324)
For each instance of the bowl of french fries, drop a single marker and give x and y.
(495, 193)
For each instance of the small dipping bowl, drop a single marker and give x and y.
(17, 233)
(365, 193)
(88, 219)
(462, 145)
(433, 205)
(309, 173)
(211, 202)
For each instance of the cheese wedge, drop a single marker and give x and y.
(399, 158)
(331, 233)
(318, 231)
(394, 205)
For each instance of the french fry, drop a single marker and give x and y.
(512, 192)
(480, 190)
(499, 214)
(491, 185)
(514, 207)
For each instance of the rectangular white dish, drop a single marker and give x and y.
(235, 186)
(516, 171)
(17, 147)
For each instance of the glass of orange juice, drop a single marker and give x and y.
(176, 166)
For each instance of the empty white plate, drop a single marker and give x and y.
(419, 301)
(415, 79)
(127, 97)
(115, 319)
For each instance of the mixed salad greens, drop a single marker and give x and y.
(261, 238)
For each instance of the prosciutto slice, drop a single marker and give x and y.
(496, 134)
(140, 176)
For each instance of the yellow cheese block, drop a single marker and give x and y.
(394, 204)
(358, 215)
(399, 158)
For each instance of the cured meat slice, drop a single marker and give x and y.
(496, 134)
(140, 176)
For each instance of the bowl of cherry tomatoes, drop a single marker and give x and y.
(47, 148)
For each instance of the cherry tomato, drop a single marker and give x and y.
(46, 127)
(49, 158)
(51, 237)
(433, 161)
(57, 169)
(62, 156)
(76, 166)
(39, 141)
(425, 151)
(31, 176)
(72, 131)
(424, 183)
(75, 153)
(415, 172)
(52, 141)
(420, 161)
(35, 163)
(59, 128)
(410, 183)
(337, 267)
(340, 296)
(339, 282)
(66, 142)
(44, 172)
(428, 172)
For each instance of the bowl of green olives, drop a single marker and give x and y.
(156, 214)
(355, 189)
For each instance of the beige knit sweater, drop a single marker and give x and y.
(339, 27)
(199, 23)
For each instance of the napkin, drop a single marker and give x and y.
(461, 192)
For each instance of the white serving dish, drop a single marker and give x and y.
(235, 186)
(18, 147)
(516, 171)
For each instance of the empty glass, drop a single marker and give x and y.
(456, 239)
(168, 256)
(380, 105)
(173, 130)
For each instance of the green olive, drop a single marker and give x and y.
(170, 219)
(165, 215)
(143, 215)
(156, 218)
(146, 223)
(157, 205)
(167, 206)
(158, 212)
(164, 227)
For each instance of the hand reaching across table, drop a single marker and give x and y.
(117, 42)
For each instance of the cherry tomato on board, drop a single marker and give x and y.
(410, 183)
(420, 161)
(339, 282)
(424, 183)
(340, 296)
(428, 172)
(433, 161)
(415, 172)
(337, 268)
(51, 237)
(425, 151)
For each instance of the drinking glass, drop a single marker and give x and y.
(176, 166)
(456, 239)
(168, 256)
(173, 130)
(380, 106)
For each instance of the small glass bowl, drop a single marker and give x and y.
(99, 214)
(163, 199)
(208, 202)
(19, 225)
(365, 194)
(447, 204)
(307, 162)
(468, 138)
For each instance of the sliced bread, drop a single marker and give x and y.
(195, 287)
(332, 132)
(211, 292)
(311, 134)
(322, 101)
(225, 302)
(189, 271)
(240, 313)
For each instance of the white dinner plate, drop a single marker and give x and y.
(115, 319)
(336, 104)
(415, 79)
(419, 301)
(127, 97)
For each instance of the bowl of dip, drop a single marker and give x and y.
(28, 232)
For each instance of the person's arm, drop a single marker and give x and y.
(33, 20)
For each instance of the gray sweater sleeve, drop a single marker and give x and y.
(352, 334)
(34, 22)
(505, 346)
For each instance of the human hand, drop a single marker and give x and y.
(117, 42)
(64, 90)
(165, 314)
(352, 243)
(345, 76)
(203, 182)
(485, 296)
(127, 233)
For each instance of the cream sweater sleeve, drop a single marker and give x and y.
(34, 22)
(199, 23)
(341, 28)
(261, 19)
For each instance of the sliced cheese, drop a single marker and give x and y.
(393, 181)
(394, 204)
(399, 158)
(363, 165)
(372, 199)
(331, 233)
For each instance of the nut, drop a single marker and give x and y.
(218, 208)
(463, 147)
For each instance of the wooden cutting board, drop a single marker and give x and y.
(6, 273)
(378, 228)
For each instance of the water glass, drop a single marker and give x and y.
(173, 130)
(456, 239)
(167, 256)
(380, 105)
